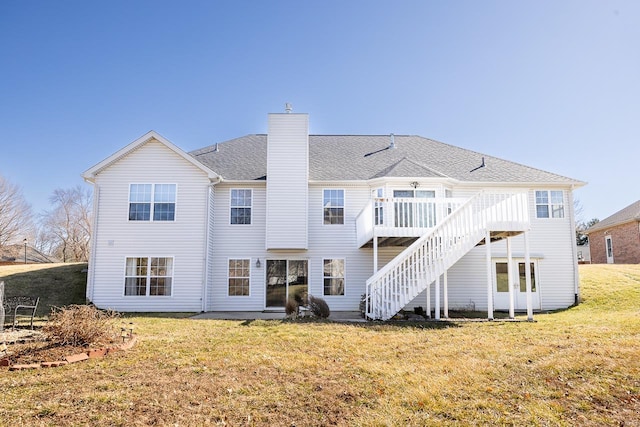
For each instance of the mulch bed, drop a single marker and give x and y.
(27, 347)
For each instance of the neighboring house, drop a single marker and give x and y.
(616, 239)
(244, 225)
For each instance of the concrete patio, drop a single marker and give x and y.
(338, 316)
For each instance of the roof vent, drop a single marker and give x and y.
(216, 149)
(288, 108)
(392, 145)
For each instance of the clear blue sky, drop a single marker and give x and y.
(552, 84)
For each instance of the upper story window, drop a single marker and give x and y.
(241, 206)
(549, 204)
(148, 276)
(147, 201)
(333, 206)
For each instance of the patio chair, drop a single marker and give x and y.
(23, 306)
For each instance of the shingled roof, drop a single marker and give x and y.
(364, 157)
(628, 214)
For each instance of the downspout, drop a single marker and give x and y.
(574, 251)
(207, 243)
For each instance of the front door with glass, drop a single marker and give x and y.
(501, 285)
(286, 279)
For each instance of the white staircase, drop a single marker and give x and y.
(409, 273)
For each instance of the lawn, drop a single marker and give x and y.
(575, 367)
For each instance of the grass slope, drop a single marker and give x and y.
(55, 284)
(575, 367)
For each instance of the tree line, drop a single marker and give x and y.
(63, 231)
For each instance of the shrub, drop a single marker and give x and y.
(81, 325)
(318, 307)
(291, 308)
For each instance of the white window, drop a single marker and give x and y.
(333, 276)
(333, 206)
(152, 201)
(148, 276)
(241, 206)
(239, 274)
(549, 204)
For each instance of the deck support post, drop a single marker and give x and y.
(510, 279)
(375, 253)
(527, 276)
(445, 291)
(437, 298)
(487, 243)
(429, 301)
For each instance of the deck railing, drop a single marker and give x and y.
(402, 217)
(409, 273)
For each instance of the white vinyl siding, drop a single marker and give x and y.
(117, 238)
(287, 182)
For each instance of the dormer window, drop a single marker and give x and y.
(149, 202)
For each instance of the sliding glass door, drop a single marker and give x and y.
(286, 279)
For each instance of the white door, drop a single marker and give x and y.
(501, 285)
(608, 243)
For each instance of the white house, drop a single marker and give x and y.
(403, 220)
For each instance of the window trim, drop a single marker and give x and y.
(148, 277)
(549, 204)
(152, 203)
(229, 277)
(343, 207)
(231, 206)
(344, 277)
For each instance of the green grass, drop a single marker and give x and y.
(579, 366)
(56, 284)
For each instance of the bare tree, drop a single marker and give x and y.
(66, 228)
(16, 218)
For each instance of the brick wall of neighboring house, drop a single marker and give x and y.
(626, 244)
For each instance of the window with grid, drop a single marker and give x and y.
(241, 206)
(155, 202)
(549, 204)
(148, 276)
(239, 273)
(333, 204)
(333, 276)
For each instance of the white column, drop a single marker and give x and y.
(527, 276)
(510, 279)
(429, 301)
(446, 295)
(487, 239)
(437, 298)
(375, 253)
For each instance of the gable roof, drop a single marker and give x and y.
(365, 157)
(628, 214)
(90, 174)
